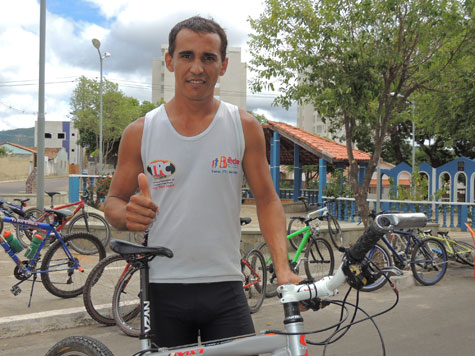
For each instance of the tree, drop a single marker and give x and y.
(118, 111)
(357, 62)
(4, 151)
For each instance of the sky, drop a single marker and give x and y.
(132, 31)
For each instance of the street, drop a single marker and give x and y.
(51, 184)
(428, 321)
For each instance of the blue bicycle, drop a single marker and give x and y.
(427, 259)
(64, 268)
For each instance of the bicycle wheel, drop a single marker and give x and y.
(59, 273)
(126, 302)
(92, 223)
(79, 346)
(295, 224)
(334, 230)
(99, 288)
(429, 262)
(271, 286)
(253, 267)
(24, 233)
(399, 243)
(464, 252)
(377, 256)
(319, 259)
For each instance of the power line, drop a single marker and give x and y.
(20, 110)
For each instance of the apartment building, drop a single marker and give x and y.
(230, 88)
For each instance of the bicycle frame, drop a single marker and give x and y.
(29, 268)
(448, 242)
(411, 237)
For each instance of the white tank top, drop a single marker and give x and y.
(196, 182)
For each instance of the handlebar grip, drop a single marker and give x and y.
(365, 243)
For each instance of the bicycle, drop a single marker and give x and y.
(298, 222)
(63, 271)
(459, 251)
(427, 259)
(292, 341)
(318, 254)
(104, 278)
(14, 210)
(80, 220)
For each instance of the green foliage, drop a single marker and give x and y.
(100, 189)
(4, 151)
(338, 185)
(347, 58)
(261, 118)
(118, 112)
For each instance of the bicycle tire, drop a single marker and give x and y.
(126, 303)
(462, 255)
(60, 266)
(24, 233)
(429, 262)
(319, 259)
(271, 278)
(294, 225)
(255, 278)
(334, 230)
(92, 223)
(99, 288)
(79, 346)
(379, 256)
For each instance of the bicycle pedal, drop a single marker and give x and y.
(15, 290)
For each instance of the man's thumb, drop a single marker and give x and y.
(143, 185)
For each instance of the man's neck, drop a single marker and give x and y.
(189, 117)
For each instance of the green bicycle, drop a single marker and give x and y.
(459, 251)
(318, 259)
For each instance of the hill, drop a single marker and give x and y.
(24, 137)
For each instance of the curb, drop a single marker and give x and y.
(22, 325)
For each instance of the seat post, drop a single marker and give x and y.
(145, 320)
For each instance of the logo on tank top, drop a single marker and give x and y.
(225, 165)
(162, 172)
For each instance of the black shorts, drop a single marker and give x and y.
(179, 312)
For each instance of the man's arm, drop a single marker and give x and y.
(124, 209)
(269, 208)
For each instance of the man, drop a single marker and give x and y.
(187, 158)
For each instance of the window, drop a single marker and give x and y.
(48, 135)
(72, 150)
(73, 134)
(61, 135)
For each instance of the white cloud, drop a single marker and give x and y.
(132, 31)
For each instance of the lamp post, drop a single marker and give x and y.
(96, 43)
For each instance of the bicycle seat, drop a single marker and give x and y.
(60, 213)
(52, 194)
(443, 233)
(22, 201)
(129, 248)
(300, 218)
(245, 221)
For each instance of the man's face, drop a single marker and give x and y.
(197, 64)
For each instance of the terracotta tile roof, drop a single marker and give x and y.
(322, 147)
(30, 149)
(52, 152)
(49, 152)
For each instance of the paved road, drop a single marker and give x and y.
(428, 321)
(51, 184)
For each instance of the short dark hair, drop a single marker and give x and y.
(198, 24)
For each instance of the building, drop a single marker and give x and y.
(309, 120)
(62, 134)
(230, 88)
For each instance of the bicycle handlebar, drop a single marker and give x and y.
(327, 286)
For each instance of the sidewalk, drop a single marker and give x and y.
(48, 312)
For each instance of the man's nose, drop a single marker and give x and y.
(197, 67)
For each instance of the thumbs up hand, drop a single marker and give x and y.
(141, 210)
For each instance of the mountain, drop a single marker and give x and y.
(24, 137)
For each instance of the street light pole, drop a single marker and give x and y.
(97, 44)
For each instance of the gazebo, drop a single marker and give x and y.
(289, 145)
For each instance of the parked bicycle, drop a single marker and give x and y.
(99, 298)
(63, 270)
(292, 341)
(426, 258)
(80, 220)
(459, 251)
(318, 256)
(298, 223)
(13, 210)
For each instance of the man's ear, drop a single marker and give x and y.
(224, 66)
(169, 62)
